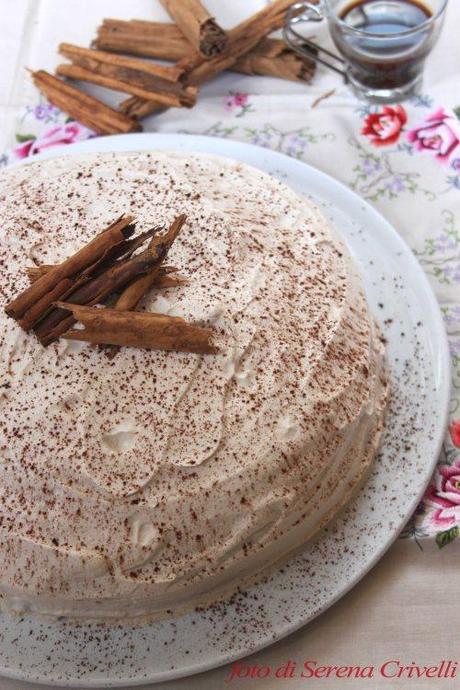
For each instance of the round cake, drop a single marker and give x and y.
(152, 482)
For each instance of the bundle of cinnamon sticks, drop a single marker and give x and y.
(195, 43)
(115, 264)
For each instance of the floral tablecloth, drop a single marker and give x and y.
(404, 159)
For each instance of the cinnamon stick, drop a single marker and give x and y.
(110, 281)
(127, 75)
(122, 250)
(197, 25)
(163, 278)
(82, 107)
(36, 272)
(104, 326)
(271, 57)
(242, 38)
(166, 281)
(40, 310)
(143, 38)
(120, 66)
(40, 290)
(139, 108)
(133, 294)
(131, 297)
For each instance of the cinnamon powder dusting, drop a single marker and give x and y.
(156, 476)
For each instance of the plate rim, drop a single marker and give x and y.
(228, 148)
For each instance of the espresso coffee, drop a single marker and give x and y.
(383, 53)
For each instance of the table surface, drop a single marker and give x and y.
(406, 161)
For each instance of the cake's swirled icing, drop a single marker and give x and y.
(155, 481)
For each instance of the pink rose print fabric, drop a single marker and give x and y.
(445, 496)
(55, 135)
(439, 135)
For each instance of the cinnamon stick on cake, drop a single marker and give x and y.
(159, 277)
(132, 295)
(24, 307)
(164, 277)
(100, 269)
(197, 25)
(138, 329)
(99, 288)
(93, 283)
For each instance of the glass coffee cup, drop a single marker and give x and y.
(383, 44)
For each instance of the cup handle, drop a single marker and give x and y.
(311, 12)
(301, 13)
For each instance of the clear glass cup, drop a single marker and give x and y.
(384, 43)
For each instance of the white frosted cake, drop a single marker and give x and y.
(155, 482)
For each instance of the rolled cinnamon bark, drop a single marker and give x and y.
(116, 277)
(145, 39)
(163, 279)
(84, 108)
(127, 75)
(132, 295)
(271, 57)
(138, 329)
(197, 25)
(43, 290)
(242, 38)
(120, 66)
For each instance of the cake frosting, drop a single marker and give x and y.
(155, 482)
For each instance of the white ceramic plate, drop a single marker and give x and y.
(87, 656)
